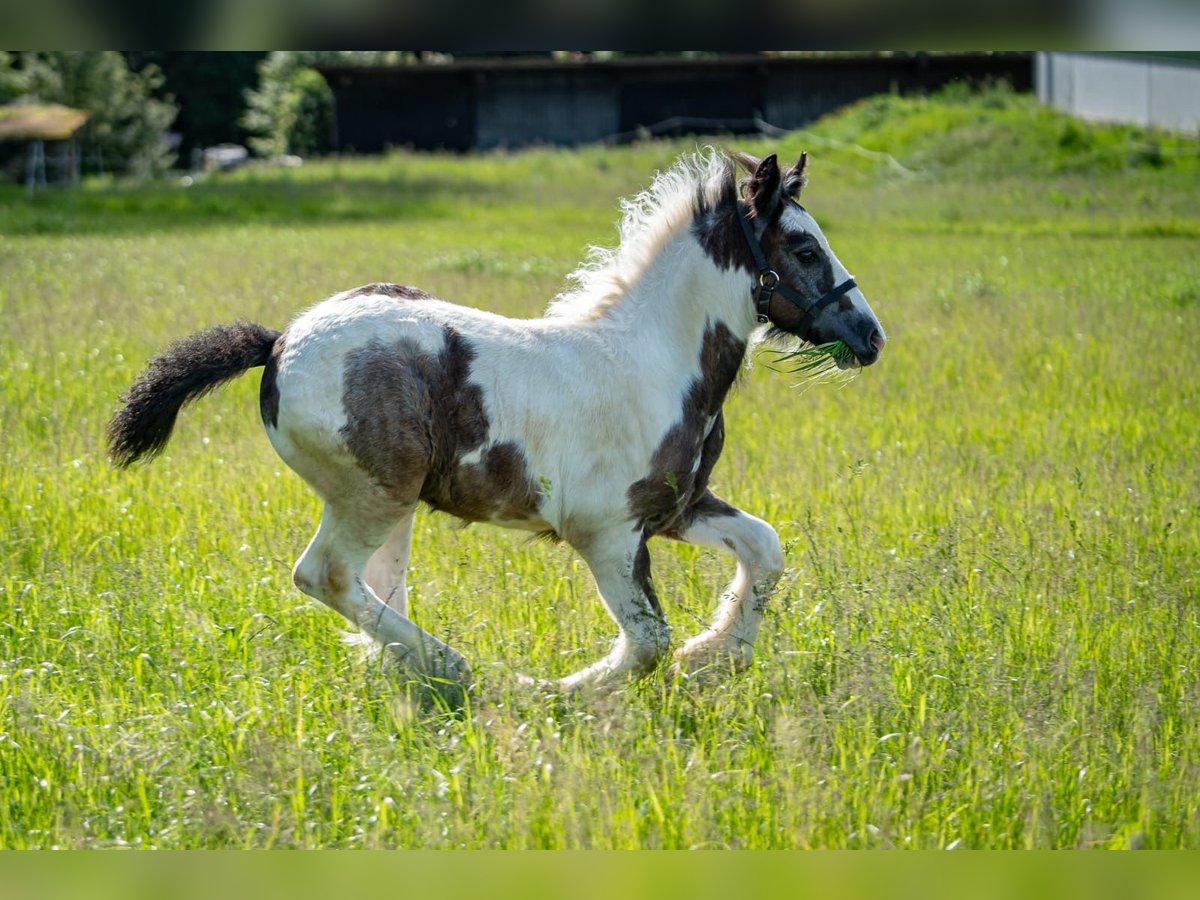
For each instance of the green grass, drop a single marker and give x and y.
(988, 634)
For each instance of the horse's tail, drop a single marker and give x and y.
(186, 370)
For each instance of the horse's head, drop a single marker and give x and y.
(801, 287)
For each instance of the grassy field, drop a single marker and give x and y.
(988, 634)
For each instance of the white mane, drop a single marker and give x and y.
(647, 220)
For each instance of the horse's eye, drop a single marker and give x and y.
(806, 256)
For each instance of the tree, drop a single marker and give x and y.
(286, 112)
(291, 110)
(128, 124)
(25, 77)
(209, 88)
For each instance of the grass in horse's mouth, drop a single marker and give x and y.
(816, 362)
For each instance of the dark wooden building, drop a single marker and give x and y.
(488, 103)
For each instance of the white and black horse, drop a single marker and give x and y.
(598, 424)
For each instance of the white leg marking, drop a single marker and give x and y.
(729, 640)
(388, 566)
(644, 636)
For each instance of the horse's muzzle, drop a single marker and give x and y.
(865, 356)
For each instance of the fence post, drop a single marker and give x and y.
(35, 167)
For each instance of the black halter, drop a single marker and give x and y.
(769, 282)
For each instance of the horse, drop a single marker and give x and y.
(597, 425)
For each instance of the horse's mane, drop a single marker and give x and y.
(694, 184)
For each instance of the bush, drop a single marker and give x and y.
(994, 131)
(127, 128)
(291, 111)
(312, 126)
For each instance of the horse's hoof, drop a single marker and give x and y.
(443, 676)
(529, 682)
(449, 695)
(708, 657)
(451, 667)
(366, 645)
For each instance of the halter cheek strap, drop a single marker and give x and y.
(769, 282)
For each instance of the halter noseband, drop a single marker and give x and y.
(769, 282)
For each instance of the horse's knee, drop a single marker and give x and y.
(773, 562)
(764, 552)
(305, 578)
(321, 576)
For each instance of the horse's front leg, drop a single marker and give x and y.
(728, 643)
(620, 563)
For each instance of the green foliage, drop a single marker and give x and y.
(994, 132)
(291, 110)
(209, 88)
(986, 637)
(272, 108)
(128, 124)
(312, 132)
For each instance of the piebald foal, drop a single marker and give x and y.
(598, 424)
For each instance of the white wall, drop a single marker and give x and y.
(1161, 92)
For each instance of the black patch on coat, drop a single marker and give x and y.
(387, 289)
(386, 394)
(268, 390)
(658, 501)
(411, 416)
(707, 506)
(717, 229)
(641, 575)
(498, 487)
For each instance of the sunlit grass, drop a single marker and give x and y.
(987, 635)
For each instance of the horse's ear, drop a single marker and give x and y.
(795, 178)
(762, 192)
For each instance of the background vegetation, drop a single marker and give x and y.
(210, 89)
(127, 124)
(987, 637)
(290, 110)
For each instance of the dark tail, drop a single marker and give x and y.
(186, 370)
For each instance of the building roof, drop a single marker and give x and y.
(40, 122)
(537, 62)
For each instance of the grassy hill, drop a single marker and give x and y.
(997, 132)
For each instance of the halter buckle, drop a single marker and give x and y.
(768, 280)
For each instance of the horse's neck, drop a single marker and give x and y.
(678, 299)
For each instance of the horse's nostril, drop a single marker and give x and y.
(878, 340)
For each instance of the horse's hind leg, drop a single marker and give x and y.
(336, 569)
(620, 564)
(728, 643)
(388, 566)
(386, 575)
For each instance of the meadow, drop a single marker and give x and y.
(988, 635)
